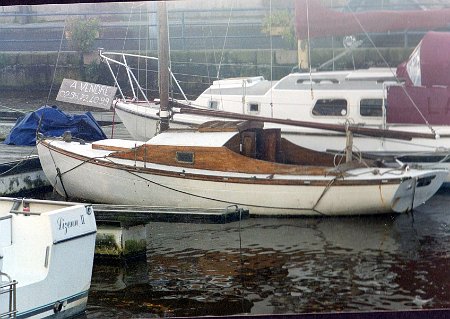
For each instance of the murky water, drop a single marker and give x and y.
(279, 265)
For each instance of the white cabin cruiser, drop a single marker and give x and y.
(46, 257)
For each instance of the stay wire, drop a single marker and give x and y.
(225, 39)
(106, 158)
(57, 59)
(387, 64)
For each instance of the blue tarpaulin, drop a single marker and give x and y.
(53, 122)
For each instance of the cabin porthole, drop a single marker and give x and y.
(253, 108)
(185, 157)
(213, 105)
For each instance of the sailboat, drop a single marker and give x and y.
(409, 99)
(225, 163)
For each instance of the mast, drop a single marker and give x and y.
(163, 66)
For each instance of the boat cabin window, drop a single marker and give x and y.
(253, 107)
(371, 107)
(317, 81)
(185, 157)
(330, 107)
(213, 105)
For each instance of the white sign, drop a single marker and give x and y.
(85, 93)
(72, 222)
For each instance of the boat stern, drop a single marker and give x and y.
(417, 189)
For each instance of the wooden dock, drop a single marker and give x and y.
(132, 215)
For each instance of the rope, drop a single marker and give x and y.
(18, 163)
(57, 59)
(271, 60)
(60, 174)
(225, 39)
(309, 50)
(15, 110)
(323, 194)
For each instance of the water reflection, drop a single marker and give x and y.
(280, 266)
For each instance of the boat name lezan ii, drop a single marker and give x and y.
(65, 225)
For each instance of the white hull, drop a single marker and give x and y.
(49, 252)
(21, 176)
(136, 183)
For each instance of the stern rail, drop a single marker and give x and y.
(9, 288)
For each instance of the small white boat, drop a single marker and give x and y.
(230, 163)
(22, 176)
(46, 257)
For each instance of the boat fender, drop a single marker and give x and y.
(59, 305)
(67, 137)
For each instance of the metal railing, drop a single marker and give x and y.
(8, 288)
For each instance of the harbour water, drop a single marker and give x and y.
(279, 265)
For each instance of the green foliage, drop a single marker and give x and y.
(81, 33)
(280, 23)
(134, 247)
(92, 72)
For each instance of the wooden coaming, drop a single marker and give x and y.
(253, 151)
(216, 159)
(185, 175)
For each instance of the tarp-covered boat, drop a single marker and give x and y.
(51, 121)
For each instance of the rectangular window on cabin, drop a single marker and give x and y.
(330, 107)
(213, 105)
(253, 107)
(371, 107)
(185, 157)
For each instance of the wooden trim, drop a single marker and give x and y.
(219, 178)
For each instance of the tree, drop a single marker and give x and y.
(81, 34)
(280, 23)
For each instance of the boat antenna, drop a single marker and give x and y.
(395, 76)
(309, 51)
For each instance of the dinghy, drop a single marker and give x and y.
(230, 163)
(46, 257)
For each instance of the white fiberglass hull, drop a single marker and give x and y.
(119, 181)
(49, 252)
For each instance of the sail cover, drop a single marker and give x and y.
(51, 121)
(429, 64)
(425, 97)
